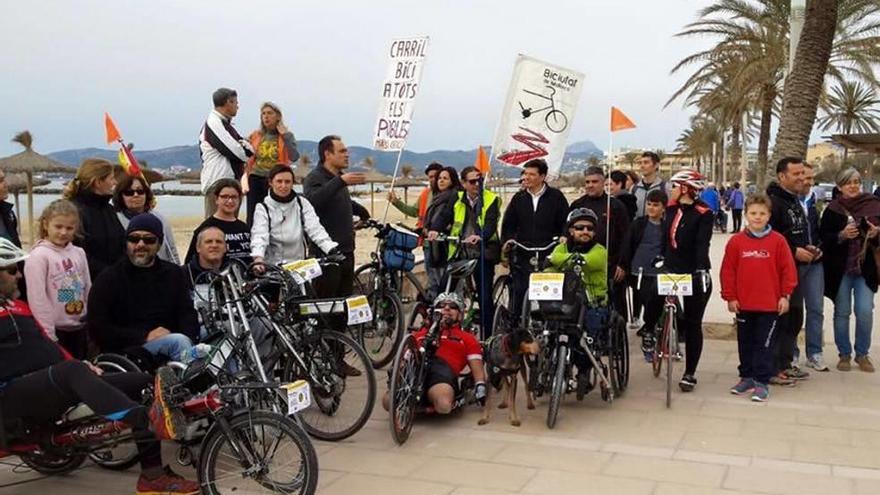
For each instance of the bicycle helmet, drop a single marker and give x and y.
(10, 254)
(690, 178)
(449, 297)
(581, 214)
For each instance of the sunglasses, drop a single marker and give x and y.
(473, 182)
(149, 240)
(449, 306)
(11, 270)
(133, 192)
(581, 228)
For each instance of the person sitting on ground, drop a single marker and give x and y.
(41, 381)
(142, 301)
(237, 233)
(283, 221)
(580, 240)
(456, 350)
(134, 196)
(757, 278)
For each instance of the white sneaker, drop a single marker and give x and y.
(817, 362)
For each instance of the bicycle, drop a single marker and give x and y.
(556, 120)
(503, 285)
(382, 281)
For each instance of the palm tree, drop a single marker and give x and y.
(697, 141)
(850, 108)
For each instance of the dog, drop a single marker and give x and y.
(503, 359)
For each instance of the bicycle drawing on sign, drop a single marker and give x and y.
(556, 120)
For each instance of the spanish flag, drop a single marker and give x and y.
(126, 157)
(619, 121)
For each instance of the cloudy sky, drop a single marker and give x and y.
(153, 66)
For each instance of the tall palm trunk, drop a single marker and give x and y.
(768, 95)
(734, 155)
(804, 82)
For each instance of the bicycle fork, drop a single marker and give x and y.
(585, 342)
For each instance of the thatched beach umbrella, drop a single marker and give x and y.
(406, 183)
(16, 183)
(373, 177)
(30, 162)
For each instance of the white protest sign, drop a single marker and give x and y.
(538, 114)
(399, 91)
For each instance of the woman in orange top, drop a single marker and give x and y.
(273, 144)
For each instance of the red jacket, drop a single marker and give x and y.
(757, 272)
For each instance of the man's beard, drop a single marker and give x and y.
(142, 259)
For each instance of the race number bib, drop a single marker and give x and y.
(299, 396)
(358, 310)
(675, 284)
(546, 286)
(306, 270)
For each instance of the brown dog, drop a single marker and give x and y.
(503, 358)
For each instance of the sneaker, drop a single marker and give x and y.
(844, 364)
(677, 356)
(687, 383)
(168, 421)
(795, 373)
(817, 362)
(865, 364)
(647, 344)
(169, 483)
(744, 386)
(782, 380)
(761, 393)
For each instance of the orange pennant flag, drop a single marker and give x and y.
(112, 132)
(619, 121)
(482, 162)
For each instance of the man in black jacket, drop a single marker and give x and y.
(8, 220)
(326, 188)
(787, 216)
(535, 215)
(143, 301)
(611, 229)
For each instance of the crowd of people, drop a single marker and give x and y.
(106, 276)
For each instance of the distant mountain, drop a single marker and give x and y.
(188, 156)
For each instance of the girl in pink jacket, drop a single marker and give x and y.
(57, 276)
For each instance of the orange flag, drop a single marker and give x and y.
(482, 162)
(619, 121)
(112, 132)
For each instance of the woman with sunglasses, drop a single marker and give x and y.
(101, 235)
(687, 227)
(132, 197)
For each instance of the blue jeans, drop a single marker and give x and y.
(853, 292)
(811, 282)
(170, 346)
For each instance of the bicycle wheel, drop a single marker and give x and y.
(671, 344)
(619, 358)
(660, 342)
(269, 453)
(420, 315)
(403, 391)
(558, 387)
(46, 463)
(342, 382)
(556, 121)
(381, 336)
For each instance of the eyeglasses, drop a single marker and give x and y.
(581, 228)
(134, 192)
(11, 270)
(473, 182)
(228, 197)
(149, 240)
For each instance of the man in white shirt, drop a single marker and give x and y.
(223, 151)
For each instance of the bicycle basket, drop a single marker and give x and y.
(399, 259)
(400, 238)
(567, 309)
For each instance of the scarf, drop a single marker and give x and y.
(759, 235)
(280, 199)
(865, 205)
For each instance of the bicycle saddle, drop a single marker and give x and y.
(78, 411)
(462, 268)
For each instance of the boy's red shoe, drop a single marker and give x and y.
(169, 483)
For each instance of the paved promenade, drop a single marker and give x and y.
(820, 437)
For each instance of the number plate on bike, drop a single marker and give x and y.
(675, 284)
(307, 270)
(299, 396)
(358, 310)
(546, 286)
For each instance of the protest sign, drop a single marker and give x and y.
(399, 91)
(538, 114)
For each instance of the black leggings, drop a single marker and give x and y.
(43, 396)
(691, 324)
(737, 220)
(258, 189)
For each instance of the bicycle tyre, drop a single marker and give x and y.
(306, 480)
(619, 359)
(659, 345)
(402, 391)
(326, 403)
(382, 339)
(421, 313)
(558, 388)
(50, 465)
(671, 344)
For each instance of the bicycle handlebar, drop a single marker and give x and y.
(552, 244)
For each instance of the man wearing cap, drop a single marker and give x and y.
(142, 301)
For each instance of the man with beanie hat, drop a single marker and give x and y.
(141, 302)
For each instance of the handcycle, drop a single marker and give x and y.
(562, 317)
(503, 286)
(382, 280)
(409, 370)
(239, 452)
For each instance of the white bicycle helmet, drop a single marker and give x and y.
(10, 254)
(690, 178)
(581, 214)
(451, 297)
